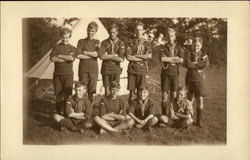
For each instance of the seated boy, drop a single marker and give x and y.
(113, 116)
(78, 111)
(180, 110)
(142, 110)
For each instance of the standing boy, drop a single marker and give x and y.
(78, 111)
(87, 53)
(63, 56)
(196, 61)
(171, 56)
(113, 116)
(138, 52)
(180, 110)
(112, 52)
(142, 110)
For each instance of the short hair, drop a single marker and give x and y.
(93, 25)
(80, 84)
(144, 88)
(182, 88)
(112, 26)
(198, 39)
(115, 84)
(65, 31)
(170, 30)
(140, 24)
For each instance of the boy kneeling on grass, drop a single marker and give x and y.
(78, 111)
(180, 110)
(142, 110)
(113, 116)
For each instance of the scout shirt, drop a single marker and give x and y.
(63, 68)
(110, 67)
(138, 47)
(108, 105)
(82, 105)
(141, 109)
(195, 71)
(183, 107)
(169, 50)
(88, 65)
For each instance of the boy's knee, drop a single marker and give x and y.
(130, 122)
(153, 121)
(57, 117)
(164, 119)
(189, 121)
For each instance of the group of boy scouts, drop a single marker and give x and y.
(74, 112)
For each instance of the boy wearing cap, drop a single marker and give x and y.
(196, 61)
(87, 53)
(142, 110)
(138, 52)
(112, 52)
(63, 56)
(180, 110)
(172, 56)
(78, 111)
(113, 116)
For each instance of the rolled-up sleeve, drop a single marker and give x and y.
(88, 111)
(69, 107)
(122, 50)
(151, 108)
(102, 107)
(102, 49)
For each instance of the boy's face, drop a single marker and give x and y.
(139, 31)
(171, 37)
(113, 33)
(114, 92)
(80, 91)
(197, 47)
(91, 32)
(181, 95)
(65, 38)
(143, 94)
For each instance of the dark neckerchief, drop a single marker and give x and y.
(142, 105)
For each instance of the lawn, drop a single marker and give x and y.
(38, 127)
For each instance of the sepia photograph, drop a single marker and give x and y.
(139, 81)
(124, 80)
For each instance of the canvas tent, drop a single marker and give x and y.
(44, 68)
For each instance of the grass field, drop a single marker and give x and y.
(38, 127)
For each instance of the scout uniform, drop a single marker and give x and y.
(170, 71)
(137, 70)
(111, 70)
(88, 68)
(183, 107)
(142, 109)
(195, 75)
(108, 105)
(77, 105)
(63, 74)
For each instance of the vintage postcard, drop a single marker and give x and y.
(124, 80)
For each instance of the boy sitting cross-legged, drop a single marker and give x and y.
(142, 110)
(113, 116)
(180, 110)
(78, 111)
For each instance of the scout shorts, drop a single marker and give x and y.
(63, 85)
(196, 88)
(169, 82)
(91, 79)
(107, 79)
(136, 81)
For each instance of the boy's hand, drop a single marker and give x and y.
(88, 125)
